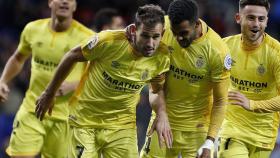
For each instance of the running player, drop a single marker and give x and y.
(46, 40)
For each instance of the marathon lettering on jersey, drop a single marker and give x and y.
(45, 65)
(121, 85)
(181, 74)
(245, 85)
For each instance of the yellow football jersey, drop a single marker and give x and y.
(188, 84)
(47, 48)
(115, 78)
(255, 73)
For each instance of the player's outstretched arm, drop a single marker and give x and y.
(12, 68)
(157, 101)
(45, 102)
(260, 106)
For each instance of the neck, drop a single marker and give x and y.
(60, 25)
(248, 44)
(135, 50)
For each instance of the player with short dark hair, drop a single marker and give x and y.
(103, 119)
(45, 42)
(255, 85)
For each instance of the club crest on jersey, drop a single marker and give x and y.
(145, 75)
(261, 70)
(199, 62)
(227, 62)
(39, 44)
(92, 42)
(171, 49)
(115, 64)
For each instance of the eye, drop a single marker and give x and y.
(251, 18)
(145, 36)
(156, 36)
(262, 19)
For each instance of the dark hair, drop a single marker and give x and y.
(264, 3)
(104, 17)
(181, 10)
(149, 15)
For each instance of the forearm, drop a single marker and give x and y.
(12, 68)
(63, 69)
(217, 116)
(265, 106)
(220, 92)
(157, 101)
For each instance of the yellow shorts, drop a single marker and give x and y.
(106, 143)
(234, 148)
(30, 136)
(151, 148)
(185, 144)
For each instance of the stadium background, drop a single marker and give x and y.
(15, 14)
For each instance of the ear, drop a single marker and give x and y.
(75, 6)
(133, 29)
(237, 18)
(130, 32)
(50, 3)
(197, 23)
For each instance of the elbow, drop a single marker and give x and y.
(75, 55)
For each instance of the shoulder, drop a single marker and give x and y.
(112, 35)
(37, 24)
(163, 49)
(81, 28)
(215, 40)
(272, 43)
(231, 40)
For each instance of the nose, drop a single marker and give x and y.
(256, 22)
(150, 42)
(64, 1)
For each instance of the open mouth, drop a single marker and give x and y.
(65, 8)
(255, 31)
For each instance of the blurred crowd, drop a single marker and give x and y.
(15, 14)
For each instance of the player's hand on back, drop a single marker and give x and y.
(238, 99)
(4, 92)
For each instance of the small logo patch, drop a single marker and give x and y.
(227, 62)
(92, 42)
(261, 70)
(199, 62)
